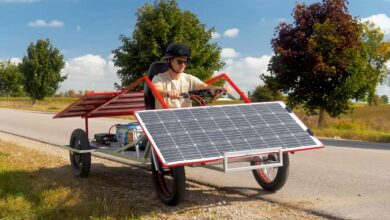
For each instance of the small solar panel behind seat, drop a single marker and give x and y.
(190, 135)
(154, 69)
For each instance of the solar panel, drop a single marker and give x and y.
(199, 134)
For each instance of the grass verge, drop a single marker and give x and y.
(366, 123)
(33, 186)
(38, 186)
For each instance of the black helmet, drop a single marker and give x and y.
(177, 50)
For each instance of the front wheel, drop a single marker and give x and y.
(81, 163)
(169, 182)
(272, 178)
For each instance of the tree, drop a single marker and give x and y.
(264, 94)
(41, 69)
(378, 52)
(157, 26)
(10, 79)
(385, 99)
(72, 93)
(320, 60)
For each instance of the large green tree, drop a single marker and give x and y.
(378, 52)
(11, 79)
(319, 60)
(157, 26)
(41, 69)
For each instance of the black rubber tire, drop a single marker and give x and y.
(81, 163)
(280, 178)
(169, 183)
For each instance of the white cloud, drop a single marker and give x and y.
(18, 1)
(37, 23)
(383, 90)
(245, 72)
(215, 35)
(89, 72)
(233, 32)
(43, 23)
(15, 60)
(228, 53)
(56, 23)
(281, 20)
(380, 20)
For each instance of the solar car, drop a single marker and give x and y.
(255, 137)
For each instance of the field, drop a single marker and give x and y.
(368, 123)
(47, 105)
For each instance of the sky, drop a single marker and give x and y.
(86, 32)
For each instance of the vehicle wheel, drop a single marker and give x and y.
(81, 163)
(169, 183)
(273, 178)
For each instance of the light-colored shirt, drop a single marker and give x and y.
(185, 83)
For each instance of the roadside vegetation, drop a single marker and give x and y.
(35, 185)
(47, 105)
(365, 122)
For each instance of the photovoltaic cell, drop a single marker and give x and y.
(203, 133)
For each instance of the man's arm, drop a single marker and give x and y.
(173, 94)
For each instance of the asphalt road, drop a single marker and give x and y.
(347, 179)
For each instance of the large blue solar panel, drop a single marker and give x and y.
(203, 133)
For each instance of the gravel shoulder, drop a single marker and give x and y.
(128, 191)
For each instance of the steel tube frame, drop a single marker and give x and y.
(210, 165)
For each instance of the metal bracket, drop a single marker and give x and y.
(249, 153)
(67, 147)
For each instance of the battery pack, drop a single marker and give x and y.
(104, 138)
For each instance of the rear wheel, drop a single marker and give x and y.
(272, 178)
(81, 163)
(169, 183)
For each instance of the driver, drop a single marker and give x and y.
(175, 81)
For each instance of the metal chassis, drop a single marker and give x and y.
(228, 158)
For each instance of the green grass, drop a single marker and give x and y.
(368, 123)
(31, 191)
(46, 105)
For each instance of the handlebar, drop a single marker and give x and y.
(202, 93)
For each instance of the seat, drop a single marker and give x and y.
(154, 69)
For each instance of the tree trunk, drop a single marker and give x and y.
(321, 118)
(33, 101)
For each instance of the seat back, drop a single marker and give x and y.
(154, 69)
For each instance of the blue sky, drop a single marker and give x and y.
(87, 31)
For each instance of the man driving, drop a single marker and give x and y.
(174, 82)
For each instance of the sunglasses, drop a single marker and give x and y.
(181, 62)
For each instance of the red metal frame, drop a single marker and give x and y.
(104, 104)
(97, 110)
(230, 81)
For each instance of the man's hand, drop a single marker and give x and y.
(173, 94)
(223, 89)
(228, 90)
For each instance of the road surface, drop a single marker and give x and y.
(347, 179)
